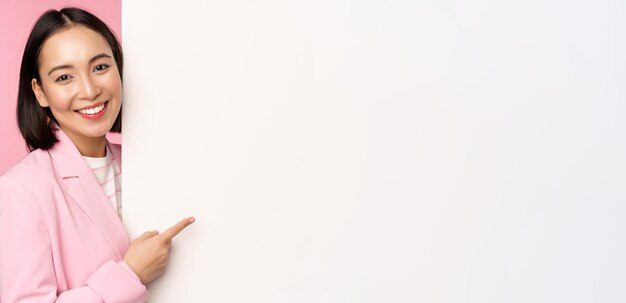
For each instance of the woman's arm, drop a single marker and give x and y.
(26, 265)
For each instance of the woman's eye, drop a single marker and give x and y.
(63, 78)
(101, 67)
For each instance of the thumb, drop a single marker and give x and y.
(148, 235)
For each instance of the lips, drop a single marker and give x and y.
(93, 112)
(95, 106)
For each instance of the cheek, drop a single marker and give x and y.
(113, 84)
(60, 98)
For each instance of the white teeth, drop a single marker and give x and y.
(91, 111)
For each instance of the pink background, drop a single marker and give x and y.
(16, 21)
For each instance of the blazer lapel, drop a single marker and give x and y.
(83, 187)
(117, 154)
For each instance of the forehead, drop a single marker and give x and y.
(72, 45)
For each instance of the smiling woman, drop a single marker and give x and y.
(61, 232)
(81, 85)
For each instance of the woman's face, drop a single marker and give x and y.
(79, 82)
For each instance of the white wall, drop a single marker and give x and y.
(380, 151)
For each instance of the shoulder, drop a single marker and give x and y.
(116, 150)
(32, 171)
(27, 185)
(116, 146)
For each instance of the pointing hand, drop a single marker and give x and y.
(148, 254)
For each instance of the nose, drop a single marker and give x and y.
(89, 89)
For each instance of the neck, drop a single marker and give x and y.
(89, 147)
(96, 149)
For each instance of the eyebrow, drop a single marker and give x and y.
(96, 57)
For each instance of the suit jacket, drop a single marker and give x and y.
(60, 239)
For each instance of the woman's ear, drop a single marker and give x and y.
(38, 90)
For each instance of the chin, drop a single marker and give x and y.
(96, 133)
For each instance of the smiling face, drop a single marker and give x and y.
(81, 85)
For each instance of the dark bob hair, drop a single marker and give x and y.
(36, 123)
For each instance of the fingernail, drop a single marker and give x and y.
(192, 220)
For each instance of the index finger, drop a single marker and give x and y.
(176, 229)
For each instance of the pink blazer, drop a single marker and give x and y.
(60, 238)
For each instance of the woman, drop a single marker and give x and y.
(61, 235)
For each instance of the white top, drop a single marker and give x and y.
(109, 176)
